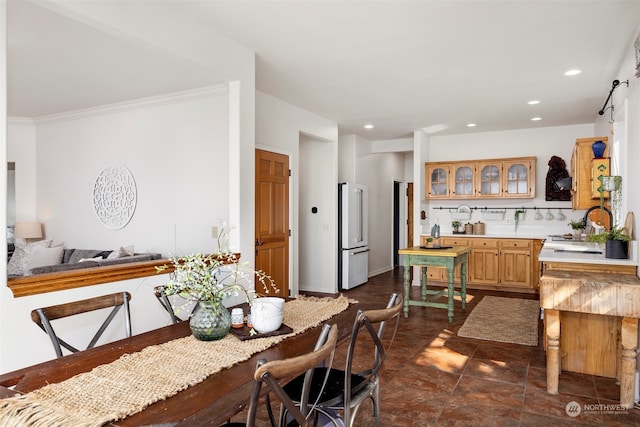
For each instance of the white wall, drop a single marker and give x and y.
(21, 342)
(541, 143)
(316, 192)
(22, 151)
(365, 162)
(176, 150)
(347, 157)
(378, 172)
(626, 131)
(311, 143)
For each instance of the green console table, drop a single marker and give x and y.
(448, 257)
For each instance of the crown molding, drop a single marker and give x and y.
(20, 120)
(169, 98)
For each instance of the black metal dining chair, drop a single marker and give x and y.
(346, 390)
(163, 299)
(273, 372)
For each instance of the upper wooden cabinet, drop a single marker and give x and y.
(437, 177)
(463, 180)
(481, 179)
(489, 179)
(519, 178)
(584, 188)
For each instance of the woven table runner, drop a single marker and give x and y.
(128, 385)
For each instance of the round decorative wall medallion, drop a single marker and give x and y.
(114, 196)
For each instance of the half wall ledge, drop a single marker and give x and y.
(51, 282)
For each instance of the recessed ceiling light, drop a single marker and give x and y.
(536, 119)
(533, 102)
(471, 125)
(572, 73)
(369, 126)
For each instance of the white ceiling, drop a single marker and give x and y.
(401, 65)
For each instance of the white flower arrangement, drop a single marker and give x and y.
(213, 277)
(216, 276)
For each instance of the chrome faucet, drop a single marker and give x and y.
(592, 208)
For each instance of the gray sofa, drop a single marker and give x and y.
(74, 259)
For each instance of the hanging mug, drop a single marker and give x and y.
(549, 215)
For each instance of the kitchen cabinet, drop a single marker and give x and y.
(517, 178)
(599, 168)
(463, 180)
(485, 256)
(489, 176)
(495, 263)
(437, 177)
(481, 179)
(515, 263)
(582, 167)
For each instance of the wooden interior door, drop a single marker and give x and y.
(272, 218)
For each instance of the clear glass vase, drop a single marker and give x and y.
(210, 321)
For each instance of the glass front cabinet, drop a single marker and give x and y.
(517, 178)
(438, 181)
(463, 181)
(489, 179)
(481, 179)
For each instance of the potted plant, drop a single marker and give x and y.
(577, 226)
(208, 279)
(456, 226)
(615, 240)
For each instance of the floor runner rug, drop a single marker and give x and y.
(511, 320)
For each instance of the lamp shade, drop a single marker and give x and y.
(28, 230)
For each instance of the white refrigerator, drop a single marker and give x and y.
(353, 235)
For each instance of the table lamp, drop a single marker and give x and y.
(28, 231)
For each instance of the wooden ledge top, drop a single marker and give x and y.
(446, 251)
(591, 292)
(51, 282)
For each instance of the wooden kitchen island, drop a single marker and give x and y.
(604, 338)
(447, 257)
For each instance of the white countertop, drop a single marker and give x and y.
(523, 231)
(580, 252)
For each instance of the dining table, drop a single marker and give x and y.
(210, 402)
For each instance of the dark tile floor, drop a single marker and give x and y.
(432, 377)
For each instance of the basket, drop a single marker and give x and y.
(493, 215)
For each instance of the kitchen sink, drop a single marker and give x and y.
(579, 249)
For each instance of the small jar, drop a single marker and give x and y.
(249, 321)
(237, 318)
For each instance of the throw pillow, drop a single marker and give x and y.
(79, 254)
(122, 251)
(18, 262)
(98, 258)
(44, 256)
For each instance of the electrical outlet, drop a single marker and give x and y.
(214, 232)
(508, 221)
